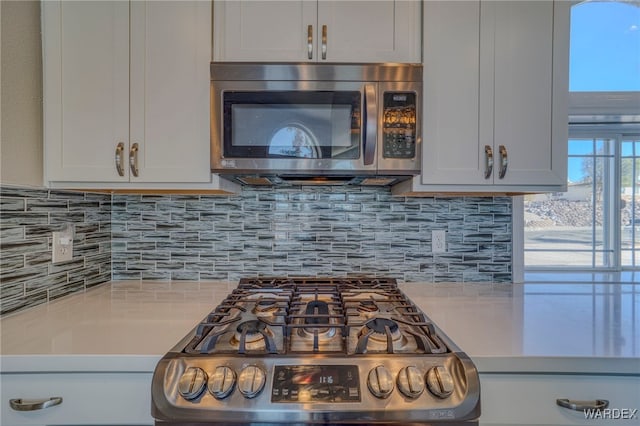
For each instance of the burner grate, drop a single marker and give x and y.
(316, 315)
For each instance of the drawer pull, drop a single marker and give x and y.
(34, 404)
(571, 404)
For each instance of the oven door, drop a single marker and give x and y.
(297, 127)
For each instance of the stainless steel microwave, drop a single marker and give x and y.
(316, 123)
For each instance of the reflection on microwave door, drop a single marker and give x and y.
(293, 140)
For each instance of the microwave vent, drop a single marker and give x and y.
(378, 181)
(316, 180)
(255, 180)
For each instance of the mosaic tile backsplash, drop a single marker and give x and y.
(317, 231)
(298, 231)
(27, 219)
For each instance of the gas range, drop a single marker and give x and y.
(316, 351)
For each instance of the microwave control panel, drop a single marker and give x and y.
(399, 125)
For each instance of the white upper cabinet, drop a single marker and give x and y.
(171, 53)
(524, 113)
(317, 31)
(495, 96)
(126, 91)
(264, 30)
(86, 88)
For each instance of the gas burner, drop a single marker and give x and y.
(380, 335)
(316, 313)
(251, 328)
(383, 326)
(265, 307)
(253, 335)
(368, 306)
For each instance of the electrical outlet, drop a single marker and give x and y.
(62, 246)
(438, 241)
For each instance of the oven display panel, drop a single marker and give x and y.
(315, 383)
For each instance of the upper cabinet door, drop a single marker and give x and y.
(264, 31)
(369, 31)
(451, 93)
(86, 89)
(170, 56)
(126, 93)
(523, 91)
(316, 31)
(495, 95)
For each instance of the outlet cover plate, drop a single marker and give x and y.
(62, 247)
(438, 241)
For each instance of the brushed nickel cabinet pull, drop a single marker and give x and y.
(310, 41)
(488, 161)
(120, 158)
(133, 160)
(570, 404)
(324, 42)
(20, 404)
(504, 161)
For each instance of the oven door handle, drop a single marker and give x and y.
(369, 124)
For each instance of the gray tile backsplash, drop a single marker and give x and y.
(27, 219)
(317, 231)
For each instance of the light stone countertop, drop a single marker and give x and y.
(126, 326)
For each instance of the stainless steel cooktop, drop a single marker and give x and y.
(316, 351)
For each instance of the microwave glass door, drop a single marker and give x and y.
(292, 124)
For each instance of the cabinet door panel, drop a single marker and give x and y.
(523, 89)
(372, 31)
(170, 44)
(87, 398)
(86, 85)
(492, 80)
(254, 30)
(530, 399)
(451, 68)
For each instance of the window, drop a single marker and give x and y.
(566, 228)
(630, 200)
(596, 223)
(605, 46)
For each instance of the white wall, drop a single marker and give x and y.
(21, 93)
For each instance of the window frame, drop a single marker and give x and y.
(592, 115)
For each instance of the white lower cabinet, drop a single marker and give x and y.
(87, 398)
(530, 399)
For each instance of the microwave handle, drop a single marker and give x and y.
(369, 124)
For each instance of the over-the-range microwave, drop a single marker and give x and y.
(316, 123)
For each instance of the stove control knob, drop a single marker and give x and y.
(251, 381)
(410, 382)
(222, 381)
(380, 382)
(192, 383)
(439, 381)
